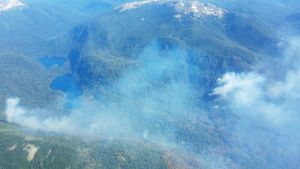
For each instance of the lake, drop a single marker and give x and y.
(49, 62)
(68, 85)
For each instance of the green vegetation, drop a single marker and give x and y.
(24, 77)
(25, 151)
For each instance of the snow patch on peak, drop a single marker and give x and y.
(195, 8)
(136, 4)
(6, 5)
(198, 9)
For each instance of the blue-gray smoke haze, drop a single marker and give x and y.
(153, 94)
(156, 91)
(267, 109)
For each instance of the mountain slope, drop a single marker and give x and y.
(26, 150)
(216, 41)
(28, 24)
(144, 72)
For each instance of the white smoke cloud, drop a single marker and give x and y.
(153, 91)
(252, 95)
(28, 118)
(258, 96)
(90, 120)
(265, 111)
(13, 112)
(243, 88)
(143, 104)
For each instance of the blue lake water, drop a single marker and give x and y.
(49, 62)
(68, 85)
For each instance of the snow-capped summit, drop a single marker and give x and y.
(195, 8)
(198, 9)
(6, 5)
(136, 4)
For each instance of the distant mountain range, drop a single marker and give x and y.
(41, 21)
